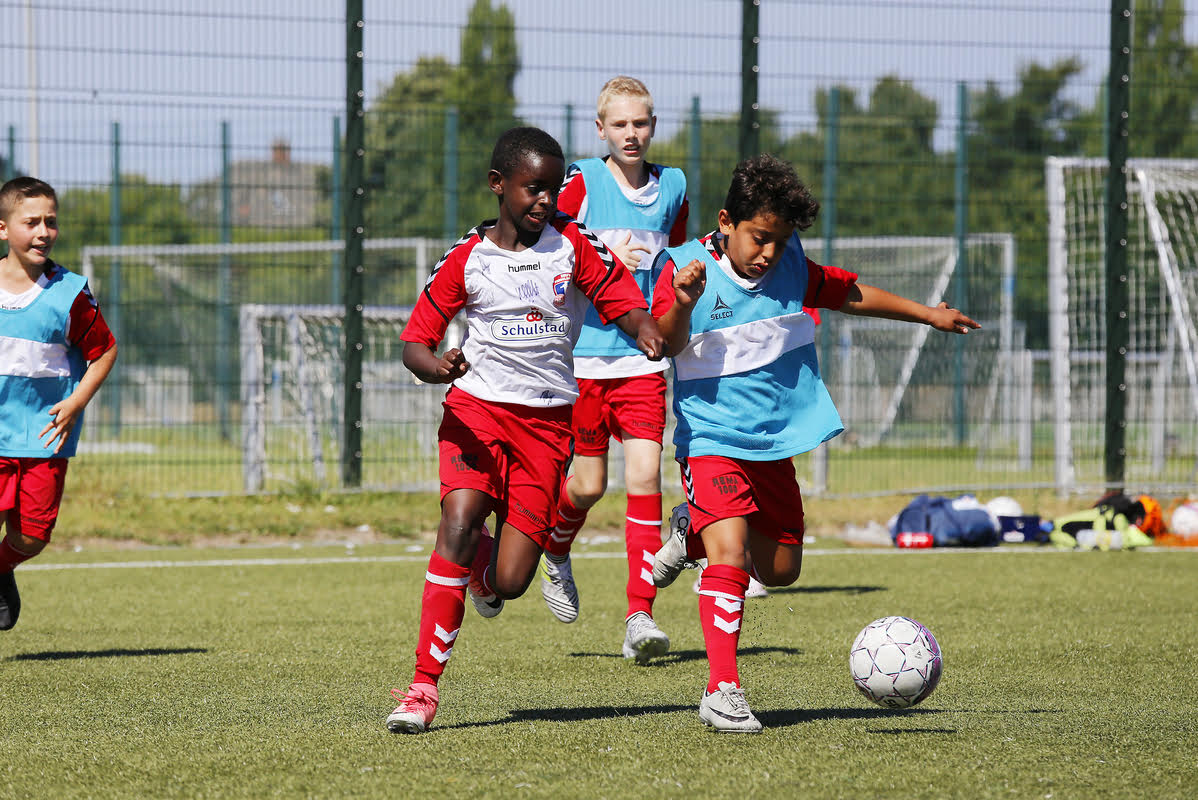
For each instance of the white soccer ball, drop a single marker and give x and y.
(1184, 522)
(895, 662)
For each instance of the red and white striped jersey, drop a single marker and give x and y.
(524, 309)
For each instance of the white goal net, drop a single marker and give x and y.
(898, 384)
(1161, 376)
(292, 374)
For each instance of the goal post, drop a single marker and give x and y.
(1161, 378)
(291, 394)
(893, 382)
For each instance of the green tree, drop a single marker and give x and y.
(889, 178)
(405, 130)
(1164, 70)
(151, 213)
(1010, 137)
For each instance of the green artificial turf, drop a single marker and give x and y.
(265, 673)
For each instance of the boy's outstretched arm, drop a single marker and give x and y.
(426, 365)
(65, 413)
(870, 301)
(639, 325)
(689, 283)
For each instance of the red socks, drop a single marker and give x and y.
(569, 522)
(642, 540)
(441, 610)
(721, 609)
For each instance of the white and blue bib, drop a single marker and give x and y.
(747, 385)
(38, 368)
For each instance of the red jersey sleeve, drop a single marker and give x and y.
(87, 330)
(827, 287)
(663, 290)
(574, 191)
(600, 275)
(678, 231)
(442, 298)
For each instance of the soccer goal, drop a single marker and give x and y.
(897, 384)
(1162, 358)
(292, 372)
(187, 315)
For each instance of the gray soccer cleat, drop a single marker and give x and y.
(727, 711)
(488, 605)
(558, 588)
(670, 560)
(643, 640)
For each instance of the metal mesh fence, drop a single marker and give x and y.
(169, 123)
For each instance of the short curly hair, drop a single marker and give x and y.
(767, 184)
(515, 144)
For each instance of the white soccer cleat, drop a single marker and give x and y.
(643, 640)
(416, 709)
(671, 558)
(727, 711)
(487, 605)
(558, 588)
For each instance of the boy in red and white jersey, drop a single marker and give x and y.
(524, 282)
(636, 208)
(55, 352)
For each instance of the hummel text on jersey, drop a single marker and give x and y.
(522, 267)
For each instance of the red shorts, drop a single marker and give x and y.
(766, 493)
(626, 408)
(30, 492)
(514, 453)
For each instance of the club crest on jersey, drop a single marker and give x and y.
(534, 325)
(560, 284)
(721, 310)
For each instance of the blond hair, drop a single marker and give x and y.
(622, 86)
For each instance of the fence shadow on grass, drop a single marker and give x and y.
(784, 717)
(826, 589)
(63, 655)
(678, 656)
(577, 714)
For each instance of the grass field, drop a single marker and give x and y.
(264, 672)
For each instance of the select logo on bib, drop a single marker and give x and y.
(534, 325)
(721, 309)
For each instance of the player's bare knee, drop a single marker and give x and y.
(585, 494)
(510, 584)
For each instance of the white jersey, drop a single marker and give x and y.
(524, 310)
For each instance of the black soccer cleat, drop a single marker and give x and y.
(10, 601)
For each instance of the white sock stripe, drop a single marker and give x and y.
(726, 625)
(653, 523)
(647, 557)
(567, 537)
(563, 515)
(446, 636)
(731, 606)
(724, 595)
(441, 580)
(440, 655)
(647, 575)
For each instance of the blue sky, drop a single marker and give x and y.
(170, 71)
